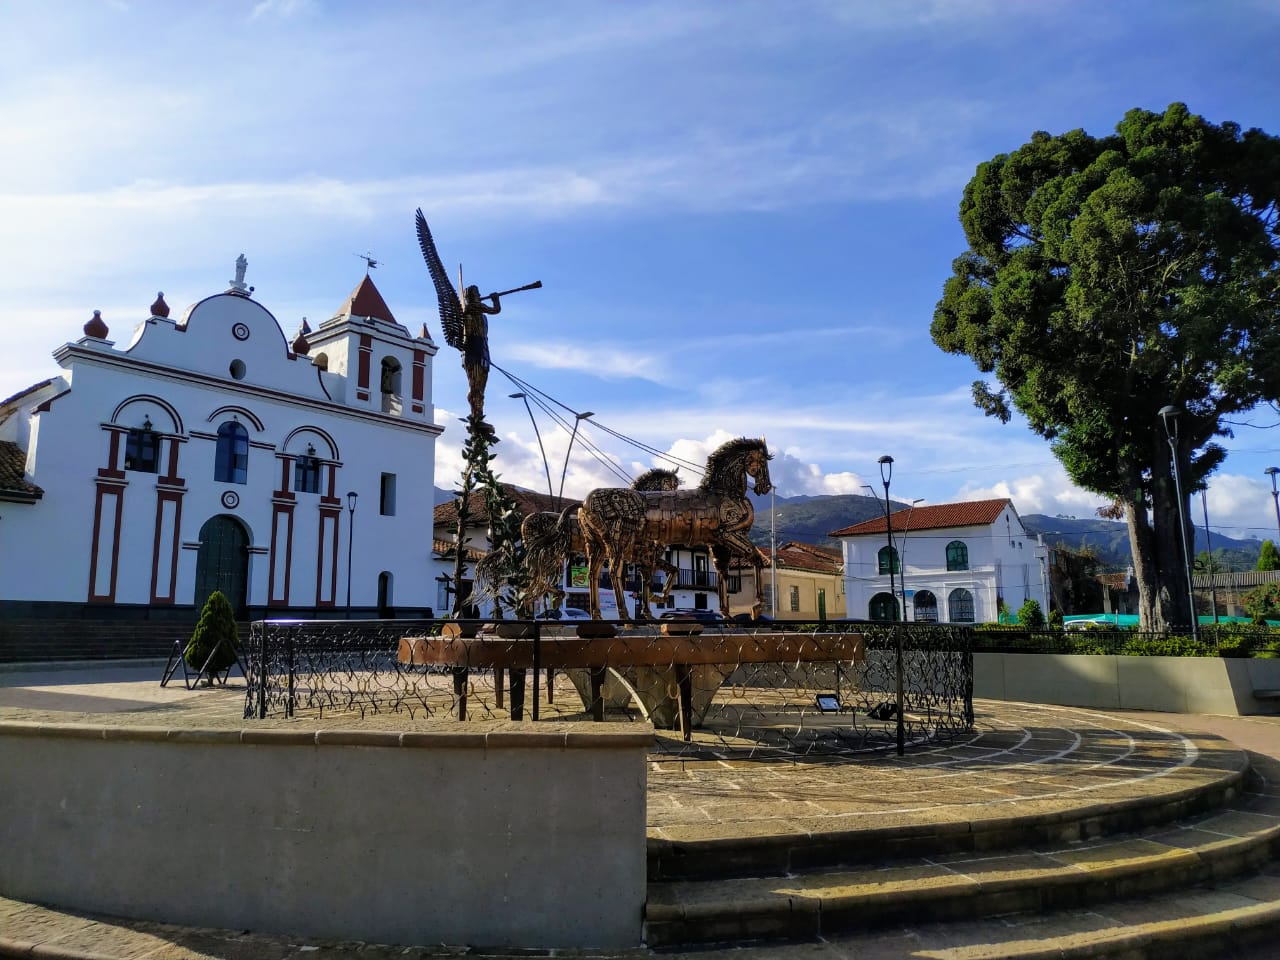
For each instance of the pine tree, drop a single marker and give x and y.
(217, 623)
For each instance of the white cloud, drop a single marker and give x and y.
(598, 359)
(282, 9)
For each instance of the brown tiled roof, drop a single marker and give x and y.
(527, 502)
(8, 404)
(13, 482)
(970, 513)
(366, 301)
(794, 555)
(441, 547)
(806, 556)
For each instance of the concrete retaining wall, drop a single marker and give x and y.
(1218, 685)
(507, 837)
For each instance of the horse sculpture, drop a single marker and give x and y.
(550, 538)
(617, 522)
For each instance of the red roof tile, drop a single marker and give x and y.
(9, 403)
(527, 502)
(971, 513)
(366, 301)
(13, 482)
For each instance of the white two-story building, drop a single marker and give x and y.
(211, 452)
(953, 562)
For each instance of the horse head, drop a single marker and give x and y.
(657, 478)
(758, 469)
(729, 466)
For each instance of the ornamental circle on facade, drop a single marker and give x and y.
(231, 499)
(240, 331)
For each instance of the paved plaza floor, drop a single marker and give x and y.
(1022, 759)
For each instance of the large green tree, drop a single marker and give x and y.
(1108, 277)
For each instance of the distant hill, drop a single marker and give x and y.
(1109, 539)
(808, 519)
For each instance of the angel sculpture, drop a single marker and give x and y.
(464, 320)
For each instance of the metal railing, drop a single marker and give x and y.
(734, 692)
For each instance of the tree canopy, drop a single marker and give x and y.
(1109, 277)
(1268, 556)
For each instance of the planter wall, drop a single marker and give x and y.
(1168, 684)
(438, 835)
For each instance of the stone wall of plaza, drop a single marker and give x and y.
(1213, 685)
(502, 837)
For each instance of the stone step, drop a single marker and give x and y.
(1157, 783)
(1235, 920)
(1239, 838)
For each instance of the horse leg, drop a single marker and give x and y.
(617, 574)
(594, 562)
(672, 577)
(720, 558)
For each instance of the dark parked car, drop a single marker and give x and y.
(685, 613)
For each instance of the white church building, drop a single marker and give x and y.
(211, 452)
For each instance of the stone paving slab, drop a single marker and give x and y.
(1022, 761)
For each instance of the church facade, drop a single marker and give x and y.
(211, 452)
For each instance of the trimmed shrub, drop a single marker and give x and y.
(1173, 646)
(1055, 619)
(217, 622)
(1030, 615)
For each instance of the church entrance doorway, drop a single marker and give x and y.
(223, 562)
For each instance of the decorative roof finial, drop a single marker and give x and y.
(237, 285)
(160, 308)
(96, 327)
(301, 346)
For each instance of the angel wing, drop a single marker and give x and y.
(450, 305)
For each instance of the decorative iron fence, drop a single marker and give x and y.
(733, 692)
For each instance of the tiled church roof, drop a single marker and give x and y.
(971, 513)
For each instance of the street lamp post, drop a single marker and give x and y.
(1275, 494)
(886, 473)
(1169, 414)
(578, 418)
(352, 496)
(1208, 545)
(537, 433)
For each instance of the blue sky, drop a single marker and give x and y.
(743, 213)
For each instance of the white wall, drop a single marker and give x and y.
(1002, 564)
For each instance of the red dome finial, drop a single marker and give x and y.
(301, 345)
(97, 327)
(160, 308)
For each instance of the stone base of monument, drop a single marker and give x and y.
(654, 691)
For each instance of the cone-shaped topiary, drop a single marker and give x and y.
(217, 622)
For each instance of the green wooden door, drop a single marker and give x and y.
(222, 562)
(881, 607)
